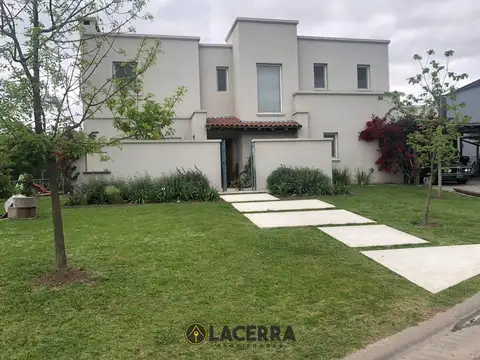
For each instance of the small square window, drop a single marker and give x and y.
(363, 76)
(222, 79)
(320, 76)
(334, 138)
(124, 70)
(125, 74)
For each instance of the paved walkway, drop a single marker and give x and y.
(454, 334)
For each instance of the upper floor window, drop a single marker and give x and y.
(269, 88)
(125, 71)
(363, 76)
(320, 76)
(222, 79)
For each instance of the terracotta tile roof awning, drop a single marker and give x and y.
(233, 122)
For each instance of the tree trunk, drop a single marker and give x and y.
(439, 181)
(429, 194)
(37, 98)
(417, 170)
(59, 239)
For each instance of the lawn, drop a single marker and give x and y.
(158, 268)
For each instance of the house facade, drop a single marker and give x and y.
(265, 81)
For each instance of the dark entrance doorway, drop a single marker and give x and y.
(230, 161)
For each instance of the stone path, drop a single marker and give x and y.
(371, 235)
(432, 268)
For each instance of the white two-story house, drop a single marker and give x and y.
(266, 81)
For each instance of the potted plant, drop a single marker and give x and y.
(23, 203)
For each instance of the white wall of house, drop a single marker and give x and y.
(177, 65)
(342, 57)
(218, 103)
(267, 42)
(345, 115)
(181, 128)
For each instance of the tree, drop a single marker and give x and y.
(437, 117)
(52, 59)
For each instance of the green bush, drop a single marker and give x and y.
(363, 177)
(181, 186)
(341, 176)
(93, 191)
(298, 181)
(341, 189)
(113, 195)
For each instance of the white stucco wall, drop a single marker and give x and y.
(346, 115)
(159, 158)
(217, 103)
(177, 65)
(181, 128)
(271, 154)
(269, 43)
(342, 58)
(245, 142)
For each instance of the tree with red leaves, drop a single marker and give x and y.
(395, 155)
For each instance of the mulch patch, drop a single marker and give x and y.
(58, 279)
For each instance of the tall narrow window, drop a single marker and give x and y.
(268, 88)
(363, 76)
(222, 79)
(320, 76)
(334, 138)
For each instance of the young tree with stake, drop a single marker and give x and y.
(51, 61)
(434, 140)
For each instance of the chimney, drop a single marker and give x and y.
(89, 25)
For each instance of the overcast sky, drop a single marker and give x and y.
(413, 26)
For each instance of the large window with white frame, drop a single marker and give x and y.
(222, 78)
(363, 77)
(320, 76)
(269, 90)
(334, 137)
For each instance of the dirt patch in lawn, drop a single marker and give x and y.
(58, 279)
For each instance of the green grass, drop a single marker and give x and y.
(161, 267)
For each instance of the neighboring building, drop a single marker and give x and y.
(266, 81)
(470, 95)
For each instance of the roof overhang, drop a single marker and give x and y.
(233, 123)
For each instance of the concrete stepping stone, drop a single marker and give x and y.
(371, 235)
(432, 268)
(248, 197)
(306, 218)
(282, 205)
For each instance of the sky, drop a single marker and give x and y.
(412, 26)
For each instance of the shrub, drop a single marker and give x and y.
(341, 176)
(93, 191)
(113, 195)
(180, 186)
(75, 198)
(298, 181)
(341, 189)
(363, 177)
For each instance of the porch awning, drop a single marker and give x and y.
(236, 123)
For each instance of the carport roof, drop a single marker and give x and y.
(232, 122)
